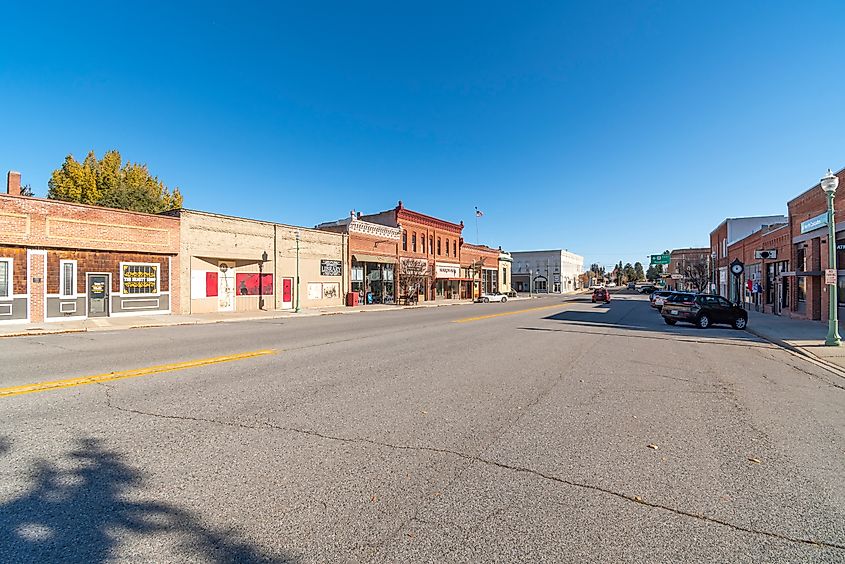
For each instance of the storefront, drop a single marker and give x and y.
(447, 280)
(373, 279)
(61, 261)
(232, 264)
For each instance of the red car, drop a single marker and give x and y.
(601, 295)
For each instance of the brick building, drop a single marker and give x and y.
(684, 266)
(237, 264)
(479, 270)
(62, 261)
(726, 234)
(372, 258)
(430, 242)
(808, 224)
(765, 254)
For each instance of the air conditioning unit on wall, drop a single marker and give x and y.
(770, 254)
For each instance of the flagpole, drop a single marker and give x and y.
(476, 226)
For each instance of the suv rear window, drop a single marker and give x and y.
(679, 298)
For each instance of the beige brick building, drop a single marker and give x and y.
(236, 264)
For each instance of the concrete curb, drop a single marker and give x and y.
(303, 314)
(838, 370)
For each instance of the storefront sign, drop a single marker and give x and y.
(331, 268)
(138, 278)
(446, 270)
(830, 276)
(814, 223)
(677, 277)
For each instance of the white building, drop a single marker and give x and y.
(555, 271)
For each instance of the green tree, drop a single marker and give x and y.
(108, 182)
(638, 271)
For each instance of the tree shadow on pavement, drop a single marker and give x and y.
(81, 514)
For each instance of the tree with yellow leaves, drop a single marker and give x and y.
(110, 183)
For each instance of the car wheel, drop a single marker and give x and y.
(740, 323)
(703, 321)
(670, 321)
(485, 300)
(504, 300)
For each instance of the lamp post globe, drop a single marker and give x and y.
(829, 183)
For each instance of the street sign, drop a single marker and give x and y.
(677, 277)
(660, 259)
(814, 223)
(830, 276)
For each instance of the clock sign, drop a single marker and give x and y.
(737, 267)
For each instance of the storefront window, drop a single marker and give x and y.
(801, 259)
(802, 288)
(840, 298)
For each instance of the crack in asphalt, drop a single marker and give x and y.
(486, 461)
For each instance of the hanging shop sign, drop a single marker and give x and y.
(139, 278)
(447, 270)
(331, 267)
(814, 223)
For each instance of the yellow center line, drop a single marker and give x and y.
(111, 376)
(503, 313)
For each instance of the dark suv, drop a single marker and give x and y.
(703, 310)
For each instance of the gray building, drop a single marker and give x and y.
(554, 271)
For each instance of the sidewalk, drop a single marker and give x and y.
(803, 337)
(134, 322)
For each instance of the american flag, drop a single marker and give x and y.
(478, 213)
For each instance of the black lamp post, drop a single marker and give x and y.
(261, 280)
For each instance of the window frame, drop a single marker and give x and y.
(404, 240)
(414, 242)
(63, 279)
(158, 267)
(10, 274)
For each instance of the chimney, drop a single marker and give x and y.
(13, 183)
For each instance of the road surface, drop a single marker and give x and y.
(532, 431)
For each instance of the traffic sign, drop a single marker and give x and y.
(660, 259)
(829, 276)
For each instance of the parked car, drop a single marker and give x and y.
(648, 289)
(632, 285)
(658, 297)
(704, 310)
(492, 297)
(601, 295)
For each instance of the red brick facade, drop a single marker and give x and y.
(98, 239)
(809, 251)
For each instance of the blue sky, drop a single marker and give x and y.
(613, 129)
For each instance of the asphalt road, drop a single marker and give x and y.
(406, 436)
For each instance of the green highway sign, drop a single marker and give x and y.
(659, 259)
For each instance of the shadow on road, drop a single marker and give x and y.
(600, 316)
(80, 515)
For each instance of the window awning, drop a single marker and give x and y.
(374, 258)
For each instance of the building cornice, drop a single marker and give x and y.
(427, 220)
(374, 229)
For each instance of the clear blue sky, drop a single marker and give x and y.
(592, 126)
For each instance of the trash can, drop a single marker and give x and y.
(352, 299)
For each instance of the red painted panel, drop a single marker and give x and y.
(287, 290)
(247, 284)
(211, 284)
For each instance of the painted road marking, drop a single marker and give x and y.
(111, 376)
(503, 313)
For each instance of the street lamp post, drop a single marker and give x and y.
(530, 281)
(296, 309)
(829, 184)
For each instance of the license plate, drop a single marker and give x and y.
(674, 312)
